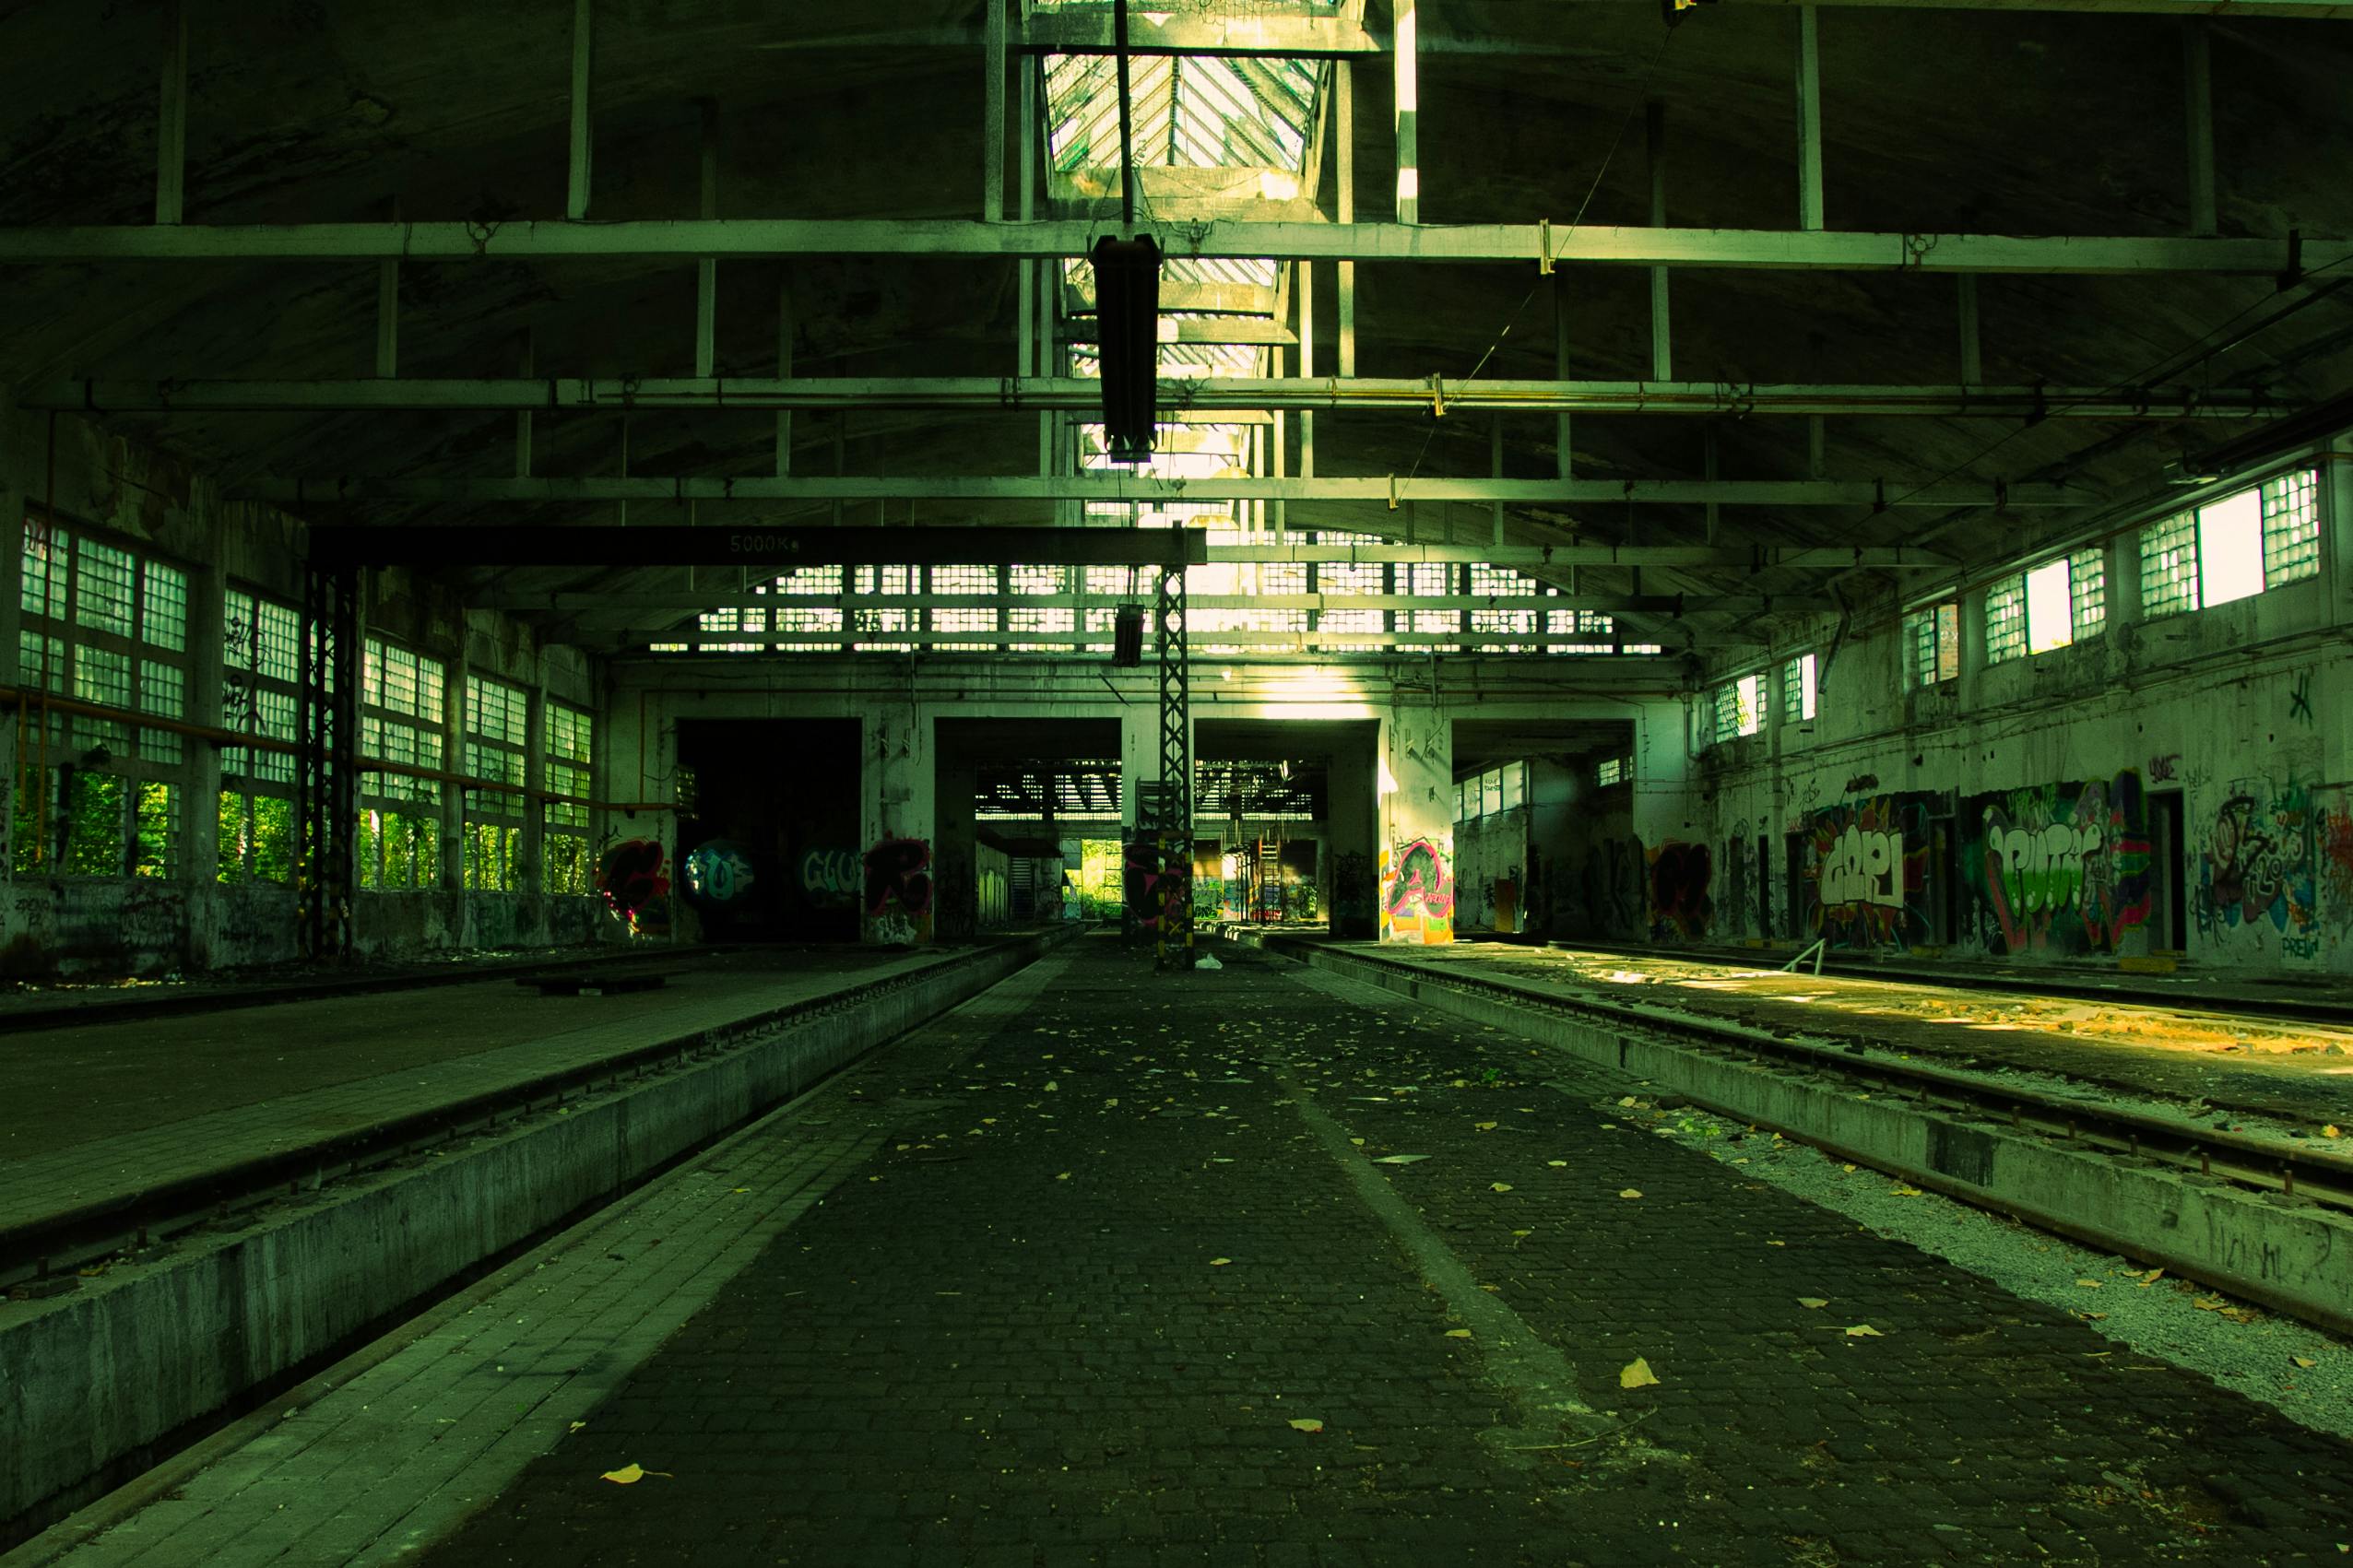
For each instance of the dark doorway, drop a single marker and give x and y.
(2170, 858)
(1764, 887)
(768, 851)
(1793, 863)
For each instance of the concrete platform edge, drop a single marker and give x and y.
(2287, 1253)
(92, 1378)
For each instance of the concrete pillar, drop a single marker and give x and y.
(531, 846)
(897, 817)
(1416, 787)
(453, 798)
(208, 633)
(955, 851)
(12, 561)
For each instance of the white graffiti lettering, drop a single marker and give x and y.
(1864, 867)
(2042, 868)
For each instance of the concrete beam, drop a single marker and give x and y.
(1087, 30)
(1381, 491)
(1233, 394)
(622, 605)
(751, 239)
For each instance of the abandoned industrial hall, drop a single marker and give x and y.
(1257, 784)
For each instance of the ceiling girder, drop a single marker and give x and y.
(637, 393)
(1390, 492)
(739, 238)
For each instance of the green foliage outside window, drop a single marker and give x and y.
(399, 853)
(257, 839)
(490, 857)
(94, 826)
(155, 835)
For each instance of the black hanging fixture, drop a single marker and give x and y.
(1127, 300)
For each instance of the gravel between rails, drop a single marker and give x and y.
(2254, 1352)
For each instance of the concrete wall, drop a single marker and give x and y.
(2177, 785)
(115, 491)
(1490, 872)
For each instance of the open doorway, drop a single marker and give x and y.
(769, 849)
(2168, 856)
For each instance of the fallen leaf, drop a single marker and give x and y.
(1219, 1262)
(1062, 1175)
(1398, 1159)
(1811, 1301)
(1628, 1100)
(1902, 1191)
(2332, 1131)
(2304, 1360)
(1847, 1168)
(1776, 1243)
(1306, 1424)
(1465, 1334)
(2151, 1278)
(630, 1475)
(1556, 1164)
(2209, 1303)
(1051, 1086)
(1865, 1331)
(1498, 1186)
(1485, 1127)
(577, 1425)
(2088, 1284)
(1637, 1373)
(1630, 1192)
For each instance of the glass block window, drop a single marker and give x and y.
(2291, 524)
(889, 583)
(2006, 620)
(106, 625)
(567, 769)
(805, 582)
(403, 699)
(963, 581)
(1797, 690)
(2169, 565)
(1429, 579)
(1582, 625)
(1353, 577)
(1740, 707)
(2087, 593)
(496, 716)
(1932, 649)
(1111, 581)
(261, 671)
(1610, 771)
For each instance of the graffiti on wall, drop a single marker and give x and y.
(1155, 882)
(2061, 868)
(630, 876)
(1679, 876)
(1417, 893)
(897, 890)
(2260, 866)
(832, 878)
(717, 874)
(1867, 862)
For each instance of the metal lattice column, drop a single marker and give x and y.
(1175, 826)
(326, 784)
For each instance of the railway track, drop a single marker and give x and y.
(1953, 1130)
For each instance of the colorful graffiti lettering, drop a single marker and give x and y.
(1418, 894)
(1869, 867)
(1679, 878)
(898, 890)
(832, 878)
(2336, 841)
(2261, 863)
(2063, 868)
(717, 873)
(629, 876)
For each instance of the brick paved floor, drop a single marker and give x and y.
(1071, 1316)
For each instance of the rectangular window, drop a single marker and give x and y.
(403, 697)
(889, 583)
(2291, 527)
(2049, 606)
(1610, 771)
(568, 769)
(1595, 632)
(2087, 592)
(2006, 620)
(106, 625)
(496, 715)
(1932, 651)
(963, 581)
(1797, 690)
(1514, 784)
(2230, 549)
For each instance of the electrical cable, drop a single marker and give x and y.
(1649, 74)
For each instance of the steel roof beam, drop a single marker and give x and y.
(1203, 395)
(728, 239)
(1106, 486)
